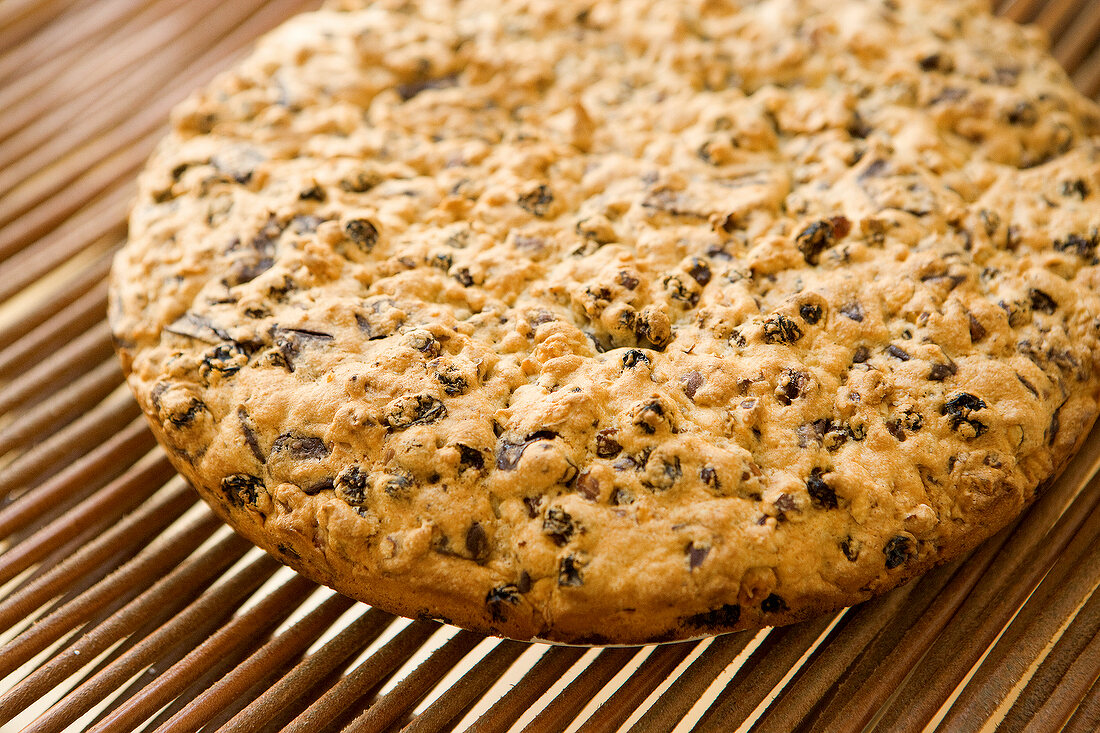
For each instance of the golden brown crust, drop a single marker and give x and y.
(620, 321)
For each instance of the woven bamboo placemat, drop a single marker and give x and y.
(125, 605)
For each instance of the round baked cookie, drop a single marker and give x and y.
(621, 321)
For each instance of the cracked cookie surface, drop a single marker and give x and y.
(612, 322)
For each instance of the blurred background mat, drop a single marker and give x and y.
(126, 605)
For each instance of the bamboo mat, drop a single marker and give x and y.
(125, 605)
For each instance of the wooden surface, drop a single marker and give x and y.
(125, 605)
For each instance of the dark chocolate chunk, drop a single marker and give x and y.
(569, 572)
(853, 310)
(198, 327)
(241, 488)
(977, 330)
(724, 617)
(325, 484)
(588, 486)
(897, 352)
(477, 542)
(416, 409)
(537, 202)
(778, 329)
(861, 355)
(850, 548)
(897, 551)
(773, 604)
(558, 526)
(300, 446)
(509, 453)
(697, 554)
(940, 372)
(411, 89)
(821, 496)
(363, 233)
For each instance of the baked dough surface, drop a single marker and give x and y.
(613, 322)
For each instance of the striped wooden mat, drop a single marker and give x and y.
(126, 605)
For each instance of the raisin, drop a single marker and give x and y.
(183, 418)
(666, 476)
(898, 353)
(697, 554)
(606, 446)
(558, 526)
(700, 271)
(622, 497)
(537, 202)
(396, 485)
(416, 409)
(709, 477)
(650, 417)
(470, 457)
(1081, 246)
(477, 542)
(300, 446)
(532, 503)
(463, 276)
(940, 372)
(363, 233)
(289, 342)
(313, 193)
(241, 488)
(222, 359)
(723, 617)
(1024, 113)
(1042, 302)
(773, 604)
(351, 485)
(250, 435)
(853, 310)
(509, 454)
(816, 238)
(361, 182)
(850, 548)
(569, 572)
(960, 409)
(1076, 187)
(633, 357)
(821, 496)
(452, 380)
(778, 329)
(497, 597)
(897, 551)
(791, 384)
(627, 280)
(680, 292)
(810, 312)
(692, 381)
